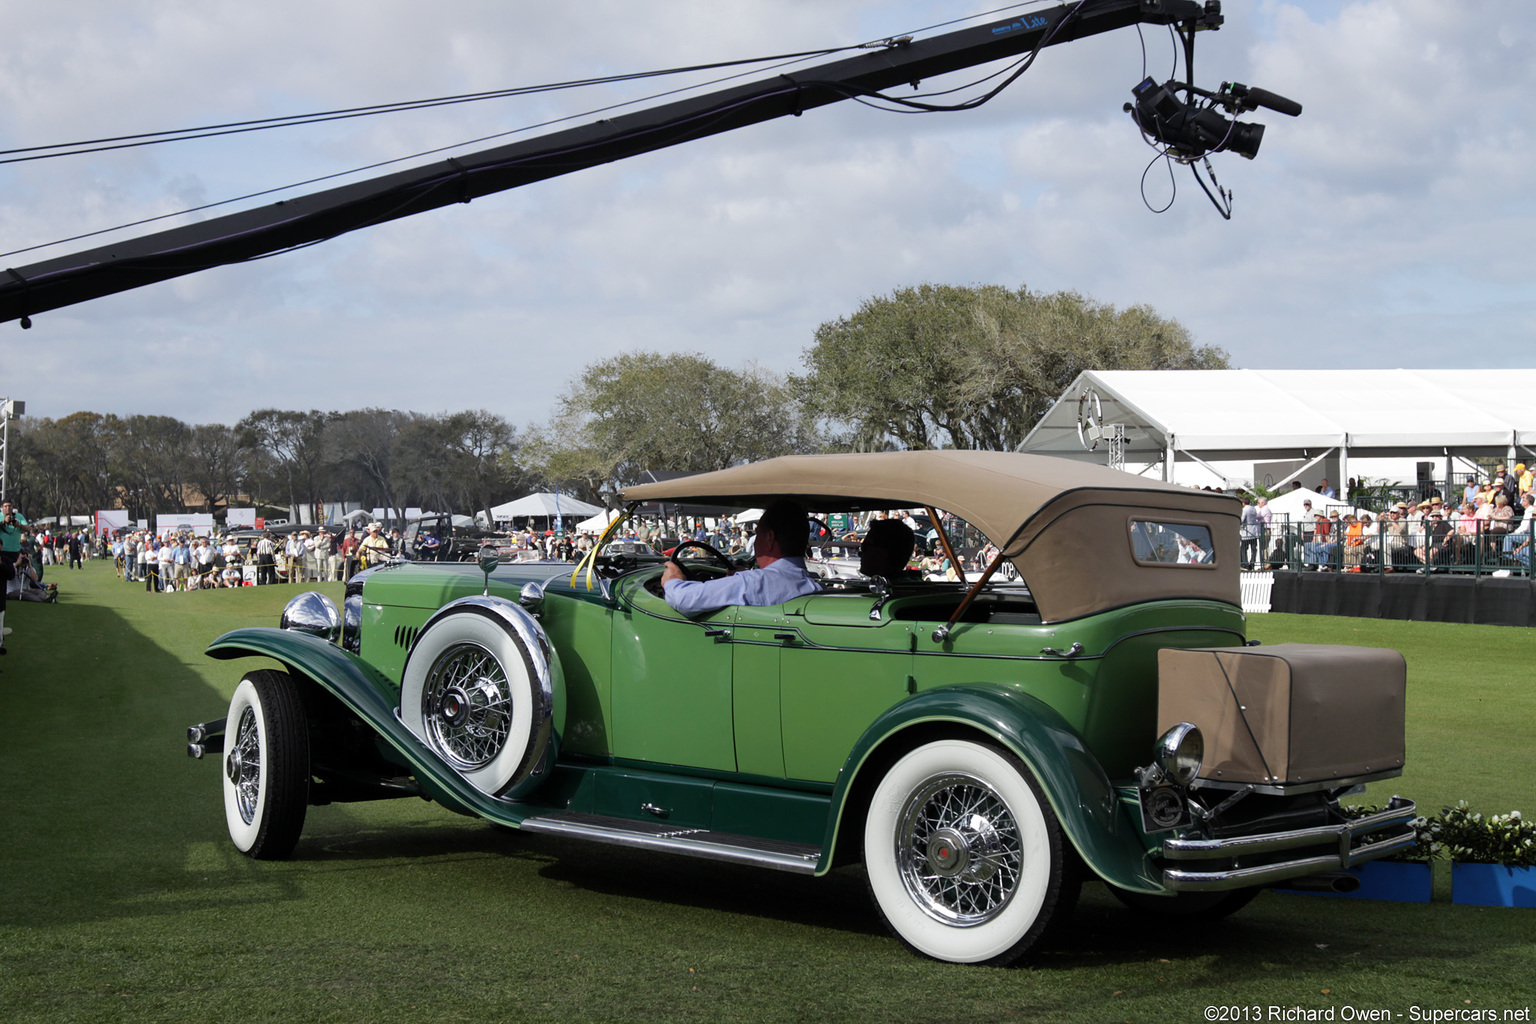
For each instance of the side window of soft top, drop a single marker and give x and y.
(1164, 542)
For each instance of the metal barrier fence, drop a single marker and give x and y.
(1481, 548)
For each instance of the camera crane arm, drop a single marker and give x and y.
(308, 219)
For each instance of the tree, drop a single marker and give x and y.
(645, 410)
(147, 458)
(365, 441)
(60, 467)
(944, 366)
(484, 447)
(295, 441)
(422, 474)
(214, 463)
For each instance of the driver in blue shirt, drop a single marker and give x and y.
(782, 534)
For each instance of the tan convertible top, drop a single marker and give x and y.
(1052, 516)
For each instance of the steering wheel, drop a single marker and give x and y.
(712, 553)
(821, 534)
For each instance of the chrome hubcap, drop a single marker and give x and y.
(466, 703)
(958, 850)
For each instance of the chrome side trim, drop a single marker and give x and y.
(691, 842)
(1349, 841)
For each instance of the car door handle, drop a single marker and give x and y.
(1054, 652)
(718, 634)
(785, 636)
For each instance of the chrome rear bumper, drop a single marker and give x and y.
(1328, 848)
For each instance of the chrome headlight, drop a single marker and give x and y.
(352, 622)
(1180, 752)
(531, 596)
(312, 613)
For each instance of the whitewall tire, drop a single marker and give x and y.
(266, 766)
(471, 692)
(965, 858)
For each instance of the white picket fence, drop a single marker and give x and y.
(1256, 587)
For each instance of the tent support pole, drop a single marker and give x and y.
(1195, 458)
(1303, 469)
(1343, 488)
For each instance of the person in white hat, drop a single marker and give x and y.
(375, 547)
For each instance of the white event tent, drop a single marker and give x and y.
(598, 523)
(1291, 504)
(541, 505)
(1165, 417)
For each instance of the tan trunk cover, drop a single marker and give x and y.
(1290, 713)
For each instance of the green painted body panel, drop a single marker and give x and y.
(671, 683)
(756, 717)
(678, 800)
(579, 624)
(840, 672)
(1085, 801)
(722, 802)
(758, 810)
(1121, 724)
(739, 805)
(1108, 693)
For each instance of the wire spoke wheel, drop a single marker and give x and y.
(466, 704)
(964, 856)
(266, 768)
(959, 850)
(479, 692)
(244, 766)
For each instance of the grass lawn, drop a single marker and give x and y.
(121, 898)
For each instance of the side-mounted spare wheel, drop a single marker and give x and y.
(480, 688)
(965, 857)
(266, 765)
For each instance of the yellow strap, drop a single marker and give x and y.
(589, 562)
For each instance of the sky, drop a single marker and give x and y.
(1388, 226)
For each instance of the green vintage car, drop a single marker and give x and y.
(982, 748)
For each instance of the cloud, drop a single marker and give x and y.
(1386, 226)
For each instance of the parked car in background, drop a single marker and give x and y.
(982, 748)
(450, 542)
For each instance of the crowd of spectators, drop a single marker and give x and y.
(1489, 526)
(182, 562)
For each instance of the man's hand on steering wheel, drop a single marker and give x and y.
(676, 570)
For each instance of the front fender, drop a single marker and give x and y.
(360, 687)
(1085, 802)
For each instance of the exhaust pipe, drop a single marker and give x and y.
(1331, 881)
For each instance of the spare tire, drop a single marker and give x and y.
(481, 688)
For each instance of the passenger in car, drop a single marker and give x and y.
(782, 534)
(886, 550)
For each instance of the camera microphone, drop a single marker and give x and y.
(1249, 97)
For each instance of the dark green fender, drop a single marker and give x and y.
(1082, 796)
(360, 687)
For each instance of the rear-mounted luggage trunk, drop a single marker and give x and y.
(1291, 717)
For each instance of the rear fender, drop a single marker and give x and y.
(1086, 803)
(360, 687)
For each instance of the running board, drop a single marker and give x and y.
(800, 858)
